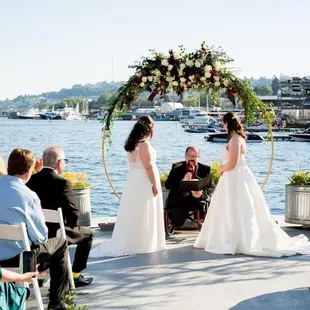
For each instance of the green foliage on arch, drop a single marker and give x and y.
(179, 71)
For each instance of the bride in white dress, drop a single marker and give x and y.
(139, 226)
(238, 219)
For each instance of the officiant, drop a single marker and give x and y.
(180, 202)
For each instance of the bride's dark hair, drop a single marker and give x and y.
(233, 125)
(142, 129)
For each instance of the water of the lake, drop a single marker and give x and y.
(82, 143)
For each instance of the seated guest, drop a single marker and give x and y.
(56, 192)
(180, 203)
(12, 296)
(2, 167)
(21, 205)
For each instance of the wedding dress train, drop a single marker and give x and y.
(139, 226)
(239, 221)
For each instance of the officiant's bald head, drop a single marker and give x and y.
(192, 154)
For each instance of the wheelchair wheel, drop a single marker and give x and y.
(169, 228)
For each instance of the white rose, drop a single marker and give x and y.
(180, 72)
(169, 79)
(207, 74)
(170, 67)
(157, 72)
(175, 83)
(216, 78)
(197, 64)
(144, 79)
(142, 84)
(208, 68)
(192, 77)
(217, 66)
(182, 66)
(225, 82)
(202, 79)
(183, 80)
(189, 63)
(217, 84)
(176, 55)
(150, 78)
(165, 63)
(168, 73)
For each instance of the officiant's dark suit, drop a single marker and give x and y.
(54, 191)
(180, 203)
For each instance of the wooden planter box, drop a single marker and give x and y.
(297, 204)
(81, 198)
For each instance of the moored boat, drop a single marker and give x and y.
(51, 116)
(302, 136)
(222, 137)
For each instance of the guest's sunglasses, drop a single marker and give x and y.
(65, 160)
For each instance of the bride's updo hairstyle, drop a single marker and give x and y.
(142, 129)
(233, 125)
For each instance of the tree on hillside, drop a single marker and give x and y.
(70, 103)
(264, 90)
(190, 101)
(101, 102)
(203, 100)
(275, 85)
(261, 81)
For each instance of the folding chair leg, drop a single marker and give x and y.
(70, 274)
(38, 294)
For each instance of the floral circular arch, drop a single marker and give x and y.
(204, 70)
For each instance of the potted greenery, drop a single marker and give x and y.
(163, 178)
(214, 166)
(297, 199)
(81, 195)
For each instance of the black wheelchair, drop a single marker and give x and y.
(196, 216)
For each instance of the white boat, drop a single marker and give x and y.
(71, 113)
(301, 136)
(51, 115)
(201, 129)
(30, 114)
(201, 118)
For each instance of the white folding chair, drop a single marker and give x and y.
(19, 233)
(52, 216)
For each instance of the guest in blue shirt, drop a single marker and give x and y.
(19, 204)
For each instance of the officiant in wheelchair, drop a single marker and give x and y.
(181, 204)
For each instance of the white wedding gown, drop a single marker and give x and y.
(139, 226)
(239, 222)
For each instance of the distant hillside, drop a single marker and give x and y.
(89, 91)
(78, 90)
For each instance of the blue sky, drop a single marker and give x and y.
(52, 45)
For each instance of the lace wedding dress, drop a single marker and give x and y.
(139, 226)
(239, 221)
